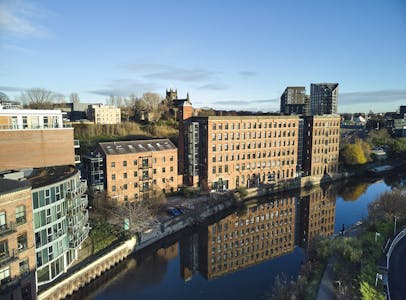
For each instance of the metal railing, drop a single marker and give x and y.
(77, 240)
(6, 257)
(7, 228)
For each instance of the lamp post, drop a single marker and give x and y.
(394, 228)
(376, 235)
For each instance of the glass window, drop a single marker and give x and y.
(125, 163)
(24, 266)
(20, 215)
(3, 224)
(22, 242)
(113, 164)
(5, 275)
(3, 249)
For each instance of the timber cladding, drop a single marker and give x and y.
(36, 148)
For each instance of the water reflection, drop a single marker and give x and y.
(249, 246)
(257, 232)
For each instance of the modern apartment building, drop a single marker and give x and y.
(137, 170)
(232, 151)
(293, 100)
(60, 219)
(17, 251)
(93, 171)
(31, 138)
(321, 137)
(104, 114)
(323, 98)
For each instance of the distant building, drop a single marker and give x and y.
(293, 100)
(137, 170)
(36, 137)
(323, 98)
(104, 114)
(17, 248)
(174, 103)
(321, 138)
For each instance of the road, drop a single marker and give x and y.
(397, 271)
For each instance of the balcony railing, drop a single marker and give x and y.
(6, 229)
(77, 240)
(6, 257)
(80, 190)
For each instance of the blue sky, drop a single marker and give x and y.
(226, 54)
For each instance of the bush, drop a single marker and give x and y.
(242, 192)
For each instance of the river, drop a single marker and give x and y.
(238, 256)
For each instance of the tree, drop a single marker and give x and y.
(387, 206)
(356, 154)
(152, 100)
(38, 98)
(74, 98)
(379, 138)
(399, 146)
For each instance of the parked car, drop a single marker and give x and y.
(174, 212)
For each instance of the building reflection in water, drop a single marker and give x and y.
(259, 231)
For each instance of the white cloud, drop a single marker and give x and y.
(17, 18)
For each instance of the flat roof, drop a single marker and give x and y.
(47, 176)
(250, 117)
(10, 185)
(137, 146)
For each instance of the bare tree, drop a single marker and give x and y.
(138, 215)
(38, 98)
(74, 98)
(152, 100)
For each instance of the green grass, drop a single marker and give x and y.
(102, 235)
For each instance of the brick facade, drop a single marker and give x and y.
(17, 249)
(139, 175)
(321, 145)
(36, 148)
(244, 151)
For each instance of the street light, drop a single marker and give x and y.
(376, 235)
(378, 276)
(394, 228)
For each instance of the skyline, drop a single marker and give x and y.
(226, 55)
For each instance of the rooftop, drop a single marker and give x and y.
(126, 147)
(250, 117)
(46, 176)
(9, 185)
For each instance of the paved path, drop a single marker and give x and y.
(326, 288)
(397, 271)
